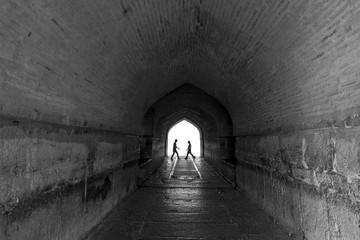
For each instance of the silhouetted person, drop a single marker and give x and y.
(189, 151)
(175, 150)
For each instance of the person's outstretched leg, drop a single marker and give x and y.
(172, 155)
(177, 155)
(192, 156)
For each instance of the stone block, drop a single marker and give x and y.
(347, 158)
(319, 151)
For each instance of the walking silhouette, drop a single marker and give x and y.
(189, 151)
(175, 150)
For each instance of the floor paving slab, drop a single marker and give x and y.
(173, 208)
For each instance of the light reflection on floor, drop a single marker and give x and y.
(188, 208)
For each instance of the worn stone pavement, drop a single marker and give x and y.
(187, 208)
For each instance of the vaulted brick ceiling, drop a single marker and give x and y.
(270, 63)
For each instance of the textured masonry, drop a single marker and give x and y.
(88, 87)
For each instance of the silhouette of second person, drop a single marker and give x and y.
(175, 150)
(189, 151)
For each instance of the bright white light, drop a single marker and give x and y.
(184, 132)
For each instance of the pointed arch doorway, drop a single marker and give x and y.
(184, 130)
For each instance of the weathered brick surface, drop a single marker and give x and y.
(57, 182)
(286, 71)
(272, 65)
(32, 162)
(308, 179)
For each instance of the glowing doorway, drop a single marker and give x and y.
(184, 131)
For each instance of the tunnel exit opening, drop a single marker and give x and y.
(184, 131)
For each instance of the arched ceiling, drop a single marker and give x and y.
(107, 62)
(191, 103)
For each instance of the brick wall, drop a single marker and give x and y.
(59, 181)
(297, 134)
(308, 180)
(285, 67)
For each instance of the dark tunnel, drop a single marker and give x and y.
(89, 90)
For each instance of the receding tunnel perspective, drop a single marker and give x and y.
(93, 94)
(187, 136)
(184, 131)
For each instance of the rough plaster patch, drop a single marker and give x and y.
(108, 155)
(322, 190)
(269, 145)
(30, 164)
(316, 154)
(346, 157)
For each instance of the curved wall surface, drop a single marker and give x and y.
(89, 87)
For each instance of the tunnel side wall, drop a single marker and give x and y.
(307, 180)
(57, 182)
(212, 152)
(153, 154)
(219, 154)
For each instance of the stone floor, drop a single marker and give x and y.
(184, 207)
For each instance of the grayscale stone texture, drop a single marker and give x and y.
(89, 89)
